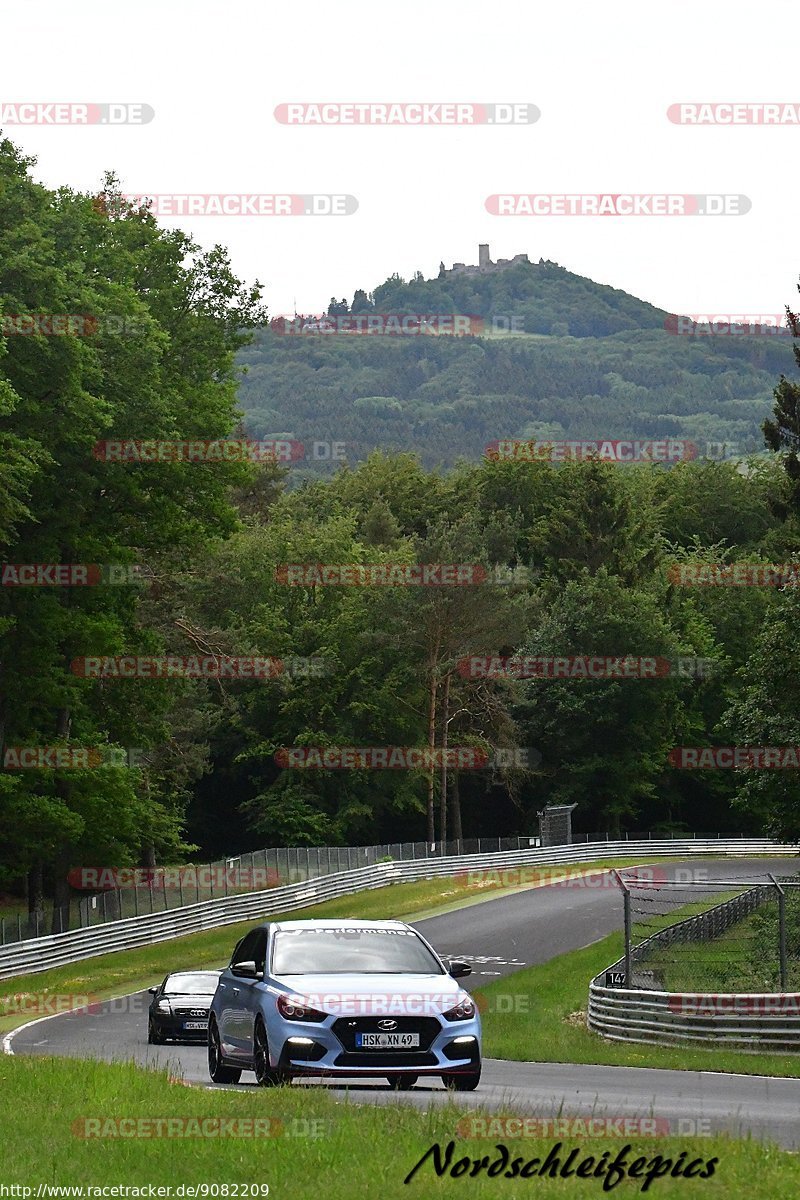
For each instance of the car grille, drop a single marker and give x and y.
(385, 1058)
(191, 1012)
(346, 1028)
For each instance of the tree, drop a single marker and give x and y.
(766, 712)
(783, 432)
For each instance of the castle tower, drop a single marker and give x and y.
(483, 256)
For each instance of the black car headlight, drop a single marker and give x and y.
(463, 1011)
(293, 1009)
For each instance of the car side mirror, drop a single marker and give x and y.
(152, 990)
(459, 969)
(245, 970)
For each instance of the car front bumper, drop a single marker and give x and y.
(312, 1048)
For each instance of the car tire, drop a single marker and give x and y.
(154, 1035)
(265, 1075)
(402, 1083)
(217, 1070)
(462, 1081)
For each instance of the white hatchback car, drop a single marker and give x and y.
(342, 998)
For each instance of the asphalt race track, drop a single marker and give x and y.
(498, 937)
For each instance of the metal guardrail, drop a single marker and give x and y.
(747, 1021)
(156, 889)
(40, 954)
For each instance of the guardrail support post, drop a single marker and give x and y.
(626, 910)
(781, 931)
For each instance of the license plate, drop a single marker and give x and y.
(387, 1041)
(195, 1024)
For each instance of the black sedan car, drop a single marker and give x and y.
(179, 1009)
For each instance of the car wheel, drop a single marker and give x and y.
(265, 1076)
(217, 1070)
(402, 1083)
(154, 1035)
(462, 1081)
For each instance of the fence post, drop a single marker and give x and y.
(626, 910)
(2, 931)
(781, 930)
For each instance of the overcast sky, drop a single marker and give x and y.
(602, 75)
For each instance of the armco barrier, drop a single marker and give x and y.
(747, 1021)
(40, 954)
(741, 1021)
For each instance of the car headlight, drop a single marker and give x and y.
(293, 1009)
(163, 1006)
(463, 1011)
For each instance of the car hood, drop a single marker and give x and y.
(189, 1001)
(373, 995)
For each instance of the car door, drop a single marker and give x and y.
(251, 990)
(236, 1015)
(229, 1004)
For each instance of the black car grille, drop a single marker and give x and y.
(385, 1058)
(199, 1013)
(346, 1028)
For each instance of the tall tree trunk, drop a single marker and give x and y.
(432, 691)
(35, 888)
(455, 807)
(61, 889)
(443, 786)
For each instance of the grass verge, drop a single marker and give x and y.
(318, 1146)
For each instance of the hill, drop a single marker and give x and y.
(589, 361)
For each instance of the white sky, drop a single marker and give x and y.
(603, 76)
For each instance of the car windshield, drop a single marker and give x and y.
(191, 985)
(352, 952)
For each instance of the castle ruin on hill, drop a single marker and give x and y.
(485, 265)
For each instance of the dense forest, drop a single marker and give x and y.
(588, 361)
(567, 561)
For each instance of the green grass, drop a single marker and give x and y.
(543, 1026)
(126, 971)
(353, 1151)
